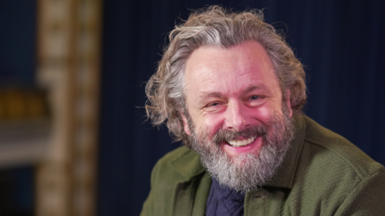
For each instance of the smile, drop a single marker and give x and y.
(241, 143)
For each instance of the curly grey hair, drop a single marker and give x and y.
(214, 26)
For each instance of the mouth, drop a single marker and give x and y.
(240, 143)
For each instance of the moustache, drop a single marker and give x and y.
(224, 135)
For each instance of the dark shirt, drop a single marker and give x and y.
(223, 201)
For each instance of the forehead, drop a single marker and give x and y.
(212, 69)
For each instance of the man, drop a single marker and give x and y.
(232, 90)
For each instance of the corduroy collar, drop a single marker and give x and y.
(284, 176)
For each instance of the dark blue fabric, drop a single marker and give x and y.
(223, 201)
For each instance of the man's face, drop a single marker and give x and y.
(234, 105)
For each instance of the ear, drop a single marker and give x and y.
(288, 102)
(185, 124)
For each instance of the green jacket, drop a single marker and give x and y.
(322, 174)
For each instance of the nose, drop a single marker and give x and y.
(236, 116)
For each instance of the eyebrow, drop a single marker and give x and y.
(221, 96)
(254, 87)
(212, 95)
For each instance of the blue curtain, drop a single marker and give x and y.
(17, 69)
(340, 42)
(17, 43)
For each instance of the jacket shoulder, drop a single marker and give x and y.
(332, 173)
(173, 155)
(181, 162)
(341, 151)
(175, 167)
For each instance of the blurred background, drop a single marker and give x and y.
(74, 139)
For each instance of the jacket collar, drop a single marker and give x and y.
(188, 165)
(284, 176)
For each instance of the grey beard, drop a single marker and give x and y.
(255, 169)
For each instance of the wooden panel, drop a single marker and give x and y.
(69, 66)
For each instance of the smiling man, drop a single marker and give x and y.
(232, 90)
(235, 109)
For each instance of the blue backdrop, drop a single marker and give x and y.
(17, 70)
(340, 42)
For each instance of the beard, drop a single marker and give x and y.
(245, 171)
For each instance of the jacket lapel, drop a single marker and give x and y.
(190, 194)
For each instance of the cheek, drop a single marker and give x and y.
(265, 114)
(211, 124)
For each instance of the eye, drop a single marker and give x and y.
(213, 104)
(255, 100)
(254, 97)
(214, 107)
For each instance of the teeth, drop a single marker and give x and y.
(241, 143)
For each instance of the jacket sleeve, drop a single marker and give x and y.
(148, 206)
(368, 197)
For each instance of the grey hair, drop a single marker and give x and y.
(214, 26)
